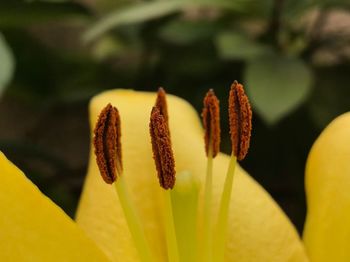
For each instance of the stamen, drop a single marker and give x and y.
(165, 165)
(162, 151)
(108, 153)
(107, 144)
(240, 117)
(161, 103)
(211, 122)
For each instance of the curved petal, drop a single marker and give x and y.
(258, 228)
(32, 228)
(327, 228)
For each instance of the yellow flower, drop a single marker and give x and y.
(32, 228)
(327, 179)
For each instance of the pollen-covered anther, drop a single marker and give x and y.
(107, 144)
(162, 151)
(240, 118)
(211, 122)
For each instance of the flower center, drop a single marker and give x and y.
(180, 191)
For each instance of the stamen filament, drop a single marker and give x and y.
(184, 199)
(207, 224)
(133, 221)
(221, 226)
(173, 253)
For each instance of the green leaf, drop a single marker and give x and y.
(277, 85)
(187, 32)
(231, 45)
(146, 11)
(7, 64)
(134, 14)
(107, 47)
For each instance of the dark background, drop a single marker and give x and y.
(292, 56)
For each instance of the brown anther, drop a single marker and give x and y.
(107, 144)
(162, 151)
(161, 103)
(211, 122)
(240, 117)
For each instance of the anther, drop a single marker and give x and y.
(211, 122)
(107, 135)
(240, 118)
(162, 104)
(162, 151)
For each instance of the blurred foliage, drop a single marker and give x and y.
(292, 55)
(6, 64)
(277, 85)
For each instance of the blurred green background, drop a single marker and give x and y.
(291, 55)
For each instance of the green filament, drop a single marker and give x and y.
(184, 198)
(221, 226)
(173, 253)
(207, 213)
(133, 221)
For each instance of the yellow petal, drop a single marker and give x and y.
(32, 228)
(259, 231)
(327, 228)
